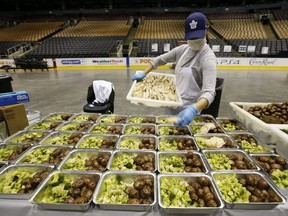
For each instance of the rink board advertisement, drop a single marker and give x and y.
(139, 62)
(91, 62)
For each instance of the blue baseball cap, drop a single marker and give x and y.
(195, 26)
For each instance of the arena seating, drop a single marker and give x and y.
(75, 47)
(28, 31)
(97, 35)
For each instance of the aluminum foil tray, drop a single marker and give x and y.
(237, 160)
(231, 124)
(75, 126)
(62, 138)
(165, 119)
(124, 179)
(44, 125)
(132, 129)
(85, 117)
(10, 152)
(220, 176)
(145, 119)
(43, 198)
(25, 136)
(176, 143)
(17, 173)
(204, 119)
(106, 128)
(210, 141)
(195, 128)
(58, 116)
(257, 147)
(270, 163)
(112, 118)
(181, 162)
(137, 142)
(98, 141)
(52, 155)
(86, 160)
(172, 186)
(133, 160)
(166, 129)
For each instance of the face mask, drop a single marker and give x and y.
(197, 44)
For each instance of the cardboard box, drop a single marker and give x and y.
(15, 117)
(14, 98)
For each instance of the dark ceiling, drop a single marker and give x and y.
(39, 5)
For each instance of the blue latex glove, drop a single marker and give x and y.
(138, 76)
(186, 116)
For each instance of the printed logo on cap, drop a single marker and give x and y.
(193, 24)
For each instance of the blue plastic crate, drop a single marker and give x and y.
(10, 98)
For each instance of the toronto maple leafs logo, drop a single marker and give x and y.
(193, 24)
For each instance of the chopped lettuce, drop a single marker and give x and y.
(113, 191)
(280, 178)
(173, 192)
(219, 161)
(232, 191)
(123, 161)
(172, 163)
(168, 144)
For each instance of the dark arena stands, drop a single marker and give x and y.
(70, 29)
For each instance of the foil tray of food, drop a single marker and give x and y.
(176, 143)
(48, 154)
(276, 167)
(67, 190)
(86, 160)
(24, 136)
(20, 181)
(193, 193)
(58, 116)
(112, 118)
(97, 141)
(215, 141)
(85, 117)
(181, 162)
(133, 160)
(137, 142)
(247, 190)
(128, 191)
(229, 159)
(11, 152)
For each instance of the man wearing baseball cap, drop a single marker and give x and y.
(195, 70)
